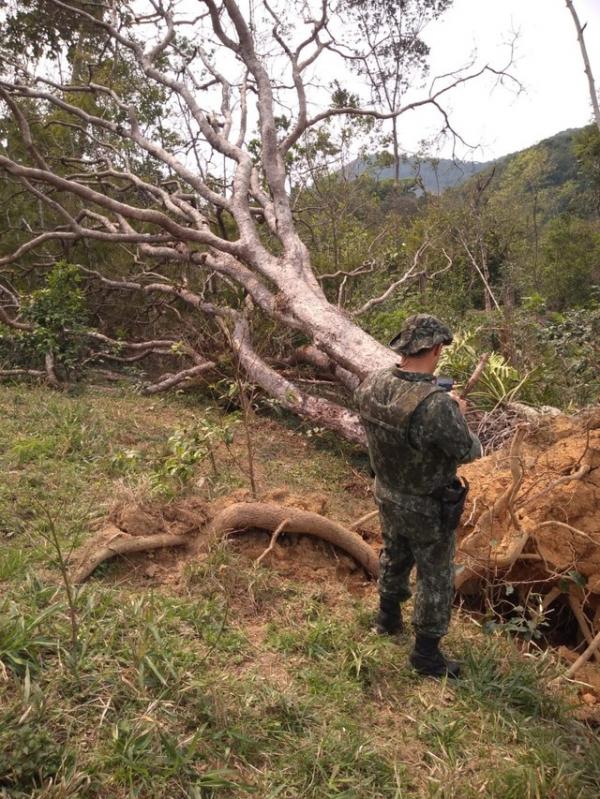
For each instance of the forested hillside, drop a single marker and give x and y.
(562, 154)
(512, 256)
(561, 170)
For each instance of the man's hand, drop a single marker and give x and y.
(462, 404)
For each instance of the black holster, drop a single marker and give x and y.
(452, 498)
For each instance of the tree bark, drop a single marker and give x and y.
(586, 63)
(267, 516)
(320, 411)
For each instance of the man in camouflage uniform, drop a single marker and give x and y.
(417, 437)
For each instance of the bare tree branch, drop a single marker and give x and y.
(410, 274)
(586, 62)
(170, 381)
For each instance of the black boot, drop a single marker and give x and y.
(389, 619)
(427, 659)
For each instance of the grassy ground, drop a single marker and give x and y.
(235, 681)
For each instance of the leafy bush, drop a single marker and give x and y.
(569, 350)
(570, 249)
(29, 753)
(184, 450)
(173, 468)
(383, 325)
(500, 382)
(58, 315)
(534, 303)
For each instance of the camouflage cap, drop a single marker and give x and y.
(420, 332)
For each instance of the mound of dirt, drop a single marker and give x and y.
(174, 518)
(541, 497)
(532, 522)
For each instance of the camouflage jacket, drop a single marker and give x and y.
(416, 433)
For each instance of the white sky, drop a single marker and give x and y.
(547, 62)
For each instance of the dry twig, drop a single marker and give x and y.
(584, 657)
(478, 371)
(359, 522)
(272, 542)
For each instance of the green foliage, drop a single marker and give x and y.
(60, 304)
(40, 28)
(384, 325)
(568, 357)
(30, 754)
(586, 147)
(528, 621)
(21, 639)
(570, 250)
(57, 313)
(342, 98)
(34, 448)
(173, 468)
(185, 449)
(141, 753)
(500, 382)
(490, 678)
(535, 303)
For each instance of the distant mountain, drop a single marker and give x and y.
(435, 175)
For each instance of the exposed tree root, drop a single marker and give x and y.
(268, 516)
(584, 657)
(550, 509)
(491, 518)
(114, 541)
(582, 620)
(359, 522)
(551, 597)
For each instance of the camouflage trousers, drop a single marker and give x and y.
(414, 536)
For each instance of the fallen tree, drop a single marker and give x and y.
(172, 93)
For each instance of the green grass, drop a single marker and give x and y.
(236, 682)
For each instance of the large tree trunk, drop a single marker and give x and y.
(316, 409)
(586, 63)
(334, 332)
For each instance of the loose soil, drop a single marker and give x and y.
(295, 556)
(557, 506)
